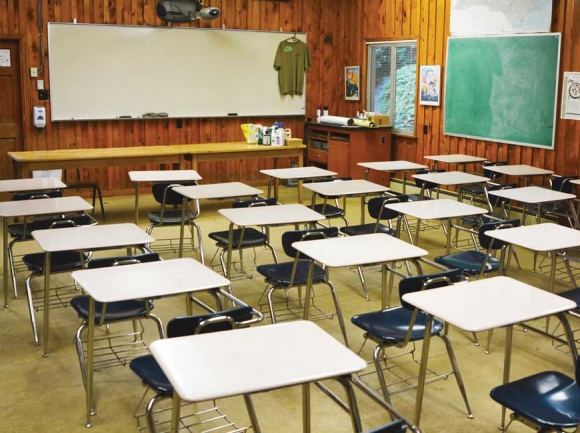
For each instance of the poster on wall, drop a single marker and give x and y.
(4, 58)
(429, 85)
(571, 96)
(352, 83)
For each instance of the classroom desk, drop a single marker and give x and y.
(349, 251)
(522, 170)
(393, 167)
(266, 216)
(482, 305)
(203, 152)
(140, 281)
(450, 178)
(346, 188)
(32, 184)
(28, 208)
(25, 162)
(544, 238)
(298, 173)
(159, 176)
(457, 158)
(537, 195)
(256, 359)
(212, 191)
(84, 238)
(440, 209)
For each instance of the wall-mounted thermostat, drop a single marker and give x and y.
(39, 116)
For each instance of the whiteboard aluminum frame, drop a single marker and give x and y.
(475, 137)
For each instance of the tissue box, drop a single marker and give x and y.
(380, 119)
(293, 141)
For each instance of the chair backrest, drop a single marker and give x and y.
(431, 281)
(494, 200)
(427, 185)
(106, 262)
(377, 210)
(206, 323)
(270, 201)
(563, 184)
(492, 174)
(31, 195)
(495, 244)
(289, 237)
(163, 192)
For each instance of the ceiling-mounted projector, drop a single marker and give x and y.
(183, 11)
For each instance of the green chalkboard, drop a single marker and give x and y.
(503, 88)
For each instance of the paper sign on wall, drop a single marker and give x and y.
(4, 58)
(571, 96)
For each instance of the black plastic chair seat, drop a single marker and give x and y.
(105, 262)
(170, 217)
(151, 374)
(116, 311)
(417, 197)
(17, 230)
(475, 188)
(397, 426)
(279, 274)
(327, 210)
(27, 195)
(469, 262)
(60, 261)
(573, 295)
(549, 399)
(391, 325)
(252, 237)
(367, 229)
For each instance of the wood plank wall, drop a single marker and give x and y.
(336, 32)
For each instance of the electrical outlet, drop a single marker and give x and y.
(40, 85)
(33, 72)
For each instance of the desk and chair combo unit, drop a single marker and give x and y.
(301, 351)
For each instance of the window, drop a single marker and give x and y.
(391, 82)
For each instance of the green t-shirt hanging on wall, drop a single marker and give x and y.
(292, 61)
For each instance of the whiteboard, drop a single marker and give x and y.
(109, 71)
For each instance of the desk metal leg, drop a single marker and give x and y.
(506, 366)
(90, 361)
(417, 230)
(184, 209)
(448, 246)
(136, 203)
(175, 412)
(252, 413)
(299, 187)
(423, 369)
(46, 299)
(307, 293)
(5, 259)
(354, 414)
(404, 182)
(229, 260)
(384, 303)
(306, 407)
(552, 272)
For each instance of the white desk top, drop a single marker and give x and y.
(392, 165)
(532, 194)
(539, 237)
(43, 206)
(519, 170)
(451, 178)
(298, 173)
(341, 188)
(359, 250)
(271, 215)
(488, 303)
(436, 209)
(217, 190)
(163, 175)
(91, 237)
(457, 158)
(21, 185)
(250, 360)
(148, 280)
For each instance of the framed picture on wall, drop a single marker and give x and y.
(429, 85)
(352, 83)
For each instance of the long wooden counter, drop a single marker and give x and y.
(175, 155)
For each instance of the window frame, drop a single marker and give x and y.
(393, 43)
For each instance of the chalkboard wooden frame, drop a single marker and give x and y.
(503, 88)
(117, 72)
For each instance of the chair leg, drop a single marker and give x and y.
(159, 324)
(150, 411)
(201, 253)
(98, 190)
(377, 361)
(31, 309)
(12, 268)
(489, 335)
(362, 280)
(80, 352)
(271, 305)
(457, 373)
(338, 311)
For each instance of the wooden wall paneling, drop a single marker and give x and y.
(241, 11)
(439, 38)
(328, 55)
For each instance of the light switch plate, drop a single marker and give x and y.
(40, 85)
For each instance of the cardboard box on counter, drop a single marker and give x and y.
(293, 141)
(380, 119)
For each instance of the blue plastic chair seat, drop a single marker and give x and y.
(151, 374)
(573, 295)
(17, 230)
(116, 311)
(327, 210)
(170, 217)
(550, 399)
(252, 237)
(367, 229)
(391, 325)
(397, 426)
(469, 262)
(279, 274)
(60, 261)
